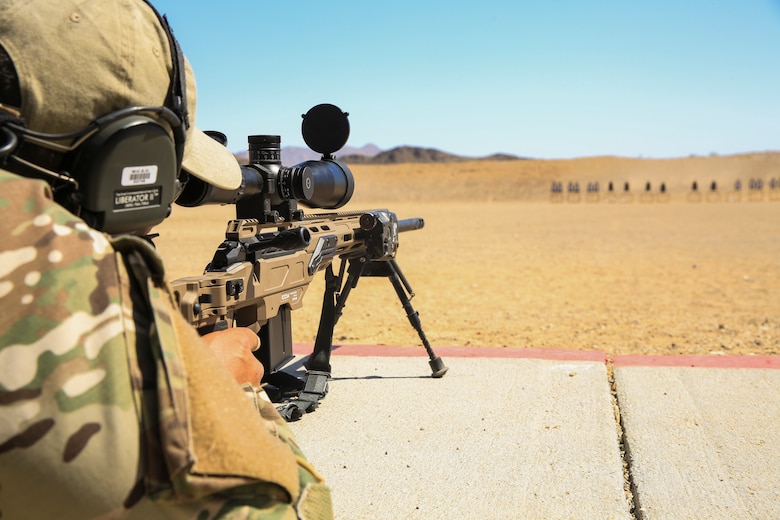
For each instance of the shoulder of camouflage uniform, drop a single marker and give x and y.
(62, 358)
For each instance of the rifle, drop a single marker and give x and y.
(272, 251)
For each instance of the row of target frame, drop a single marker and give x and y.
(755, 188)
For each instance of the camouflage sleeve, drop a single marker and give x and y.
(69, 434)
(111, 404)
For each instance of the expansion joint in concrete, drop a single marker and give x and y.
(632, 498)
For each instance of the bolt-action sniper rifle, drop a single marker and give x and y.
(273, 250)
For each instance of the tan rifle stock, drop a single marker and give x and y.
(259, 275)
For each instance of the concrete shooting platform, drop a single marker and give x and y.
(547, 434)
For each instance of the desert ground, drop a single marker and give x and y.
(502, 261)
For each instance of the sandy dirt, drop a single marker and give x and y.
(504, 262)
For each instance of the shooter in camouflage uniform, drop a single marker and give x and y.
(111, 406)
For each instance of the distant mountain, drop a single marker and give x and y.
(369, 150)
(372, 154)
(413, 154)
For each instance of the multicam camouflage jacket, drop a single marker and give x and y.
(111, 406)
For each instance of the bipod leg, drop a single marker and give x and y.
(401, 286)
(318, 369)
(318, 365)
(320, 356)
(356, 266)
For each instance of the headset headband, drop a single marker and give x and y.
(177, 90)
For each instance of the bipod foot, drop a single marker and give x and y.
(308, 399)
(438, 368)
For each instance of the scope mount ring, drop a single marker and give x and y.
(325, 128)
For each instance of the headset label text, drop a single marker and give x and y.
(137, 199)
(139, 175)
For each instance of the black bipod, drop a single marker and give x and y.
(337, 291)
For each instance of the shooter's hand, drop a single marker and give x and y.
(234, 348)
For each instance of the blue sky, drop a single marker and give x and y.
(545, 79)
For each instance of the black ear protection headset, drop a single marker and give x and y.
(120, 173)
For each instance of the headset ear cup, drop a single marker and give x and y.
(126, 175)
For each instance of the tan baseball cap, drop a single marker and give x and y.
(77, 61)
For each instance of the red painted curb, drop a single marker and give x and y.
(551, 354)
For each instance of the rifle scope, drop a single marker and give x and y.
(326, 183)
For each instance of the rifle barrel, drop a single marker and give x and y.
(410, 224)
